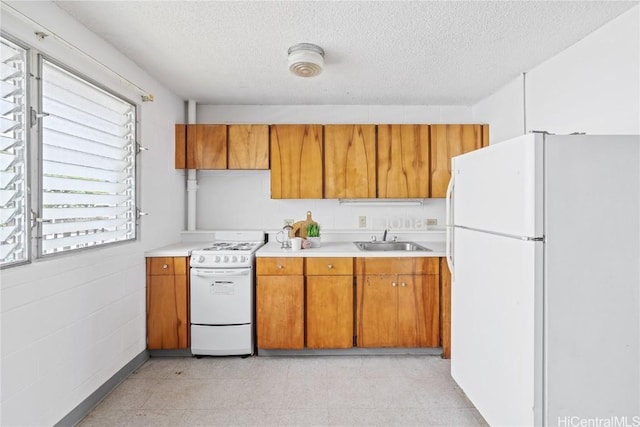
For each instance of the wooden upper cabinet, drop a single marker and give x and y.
(296, 161)
(448, 141)
(349, 161)
(403, 161)
(206, 146)
(248, 146)
(181, 147)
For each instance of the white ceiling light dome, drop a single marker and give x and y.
(306, 59)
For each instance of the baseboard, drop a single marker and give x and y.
(80, 411)
(356, 351)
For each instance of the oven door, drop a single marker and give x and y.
(221, 296)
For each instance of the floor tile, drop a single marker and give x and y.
(288, 391)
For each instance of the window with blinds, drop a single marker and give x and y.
(88, 189)
(14, 240)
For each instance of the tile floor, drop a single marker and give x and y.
(288, 391)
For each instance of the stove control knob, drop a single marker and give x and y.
(200, 258)
(243, 258)
(234, 259)
(225, 259)
(217, 258)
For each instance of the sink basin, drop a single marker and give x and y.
(390, 246)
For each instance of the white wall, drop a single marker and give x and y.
(593, 87)
(241, 199)
(70, 322)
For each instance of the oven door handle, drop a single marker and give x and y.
(208, 272)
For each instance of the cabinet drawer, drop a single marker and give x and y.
(407, 265)
(166, 266)
(329, 266)
(279, 266)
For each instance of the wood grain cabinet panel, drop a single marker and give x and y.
(278, 266)
(403, 161)
(280, 303)
(399, 309)
(418, 311)
(349, 161)
(445, 309)
(248, 146)
(329, 303)
(377, 311)
(448, 141)
(296, 161)
(280, 312)
(181, 146)
(206, 146)
(167, 303)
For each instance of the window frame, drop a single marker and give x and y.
(28, 234)
(34, 160)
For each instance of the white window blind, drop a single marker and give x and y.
(14, 246)
(88, 164)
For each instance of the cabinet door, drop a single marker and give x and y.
(296, 161)
(280, 312)
(418, 314)
(206, 146)
(377, 312)
(349, 161)
(248, 146)
(329, 317)
(403, 161)
(167, 321)
(181, 146)
(448, 141)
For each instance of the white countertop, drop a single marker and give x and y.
(175, 250)
(348, 249)
(336, 243)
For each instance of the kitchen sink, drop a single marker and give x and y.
(390, 246)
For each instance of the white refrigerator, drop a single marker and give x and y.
(544, 247)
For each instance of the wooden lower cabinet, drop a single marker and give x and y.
(398, 310)
(167, 303)
(280, 303)
(329, 298)
(311, 303)
(445, 308)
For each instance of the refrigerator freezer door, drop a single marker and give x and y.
(496, 326)
(499, 188)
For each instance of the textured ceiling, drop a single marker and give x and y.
(377, 52)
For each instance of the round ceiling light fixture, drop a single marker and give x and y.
(306, 59)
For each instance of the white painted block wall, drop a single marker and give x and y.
(69, 323)
(593, 87)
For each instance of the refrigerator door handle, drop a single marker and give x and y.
(449, 225)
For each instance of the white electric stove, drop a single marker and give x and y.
(222, 294)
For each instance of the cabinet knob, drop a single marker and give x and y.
(330, 266)
(394, 284)
(165, 266)
(280, 266)
(403, 284)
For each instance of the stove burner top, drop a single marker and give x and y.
(231, 246)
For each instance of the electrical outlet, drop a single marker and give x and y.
(287, 221)
(432, 221)
(362, 221)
